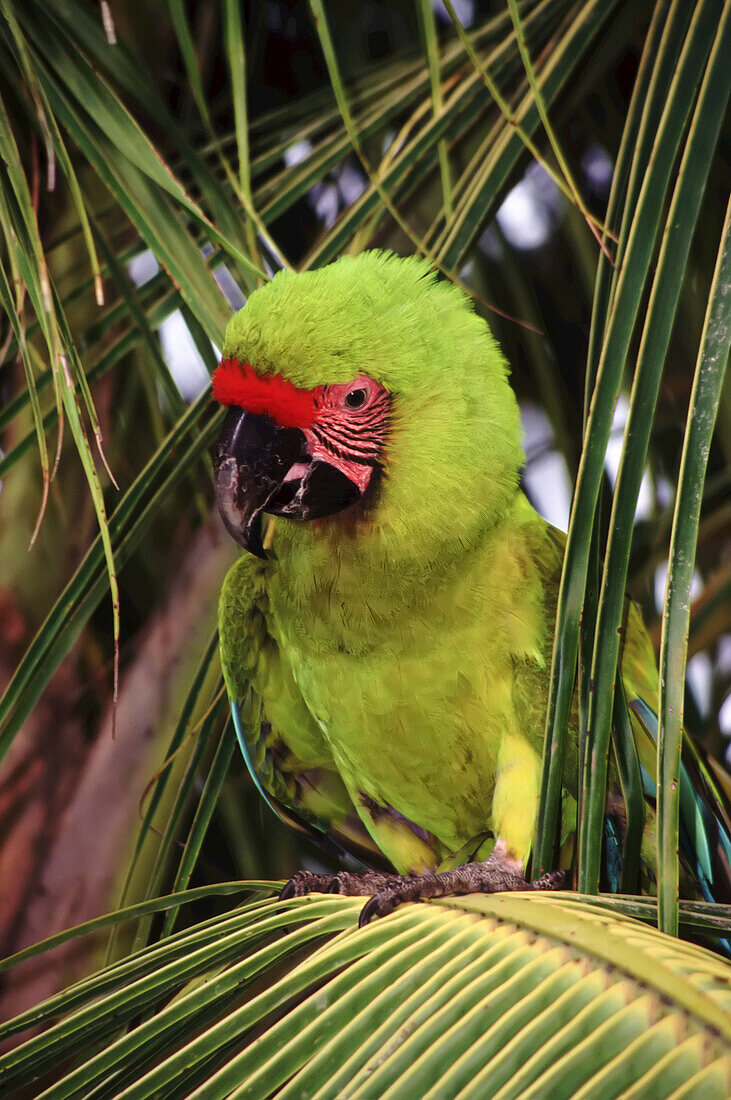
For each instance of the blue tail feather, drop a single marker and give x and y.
(700, 828)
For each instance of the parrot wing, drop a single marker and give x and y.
(285, 752)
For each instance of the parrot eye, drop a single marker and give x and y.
(356, 399)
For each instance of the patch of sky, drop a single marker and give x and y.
(351, 183)
(597, 168)
(699, 677)
(664, 491)
(660, 580)
(297, 152)
(182, 357)
(530, 210)
(614, 452)
(230, 288)
(490, 243)
(345, 186)
(545, 476)
(724, 721)
(142, 268)
(178, 347)
(465, 10)
(326, 202)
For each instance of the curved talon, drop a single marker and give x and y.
(366, 913)
(399, 890)
(380, 905)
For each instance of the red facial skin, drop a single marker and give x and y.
(345, 425)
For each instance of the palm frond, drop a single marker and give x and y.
(521, 995)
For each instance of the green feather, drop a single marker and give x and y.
(401, 653)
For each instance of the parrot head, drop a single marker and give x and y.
(289, 451)
(370, 386)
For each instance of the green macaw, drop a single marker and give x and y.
(387, 655)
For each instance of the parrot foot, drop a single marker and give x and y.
(388, 891)
(470, 878)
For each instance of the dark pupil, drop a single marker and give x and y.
(355, 399)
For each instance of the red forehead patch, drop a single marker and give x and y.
(236, 383)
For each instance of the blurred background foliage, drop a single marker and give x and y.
(159, 160)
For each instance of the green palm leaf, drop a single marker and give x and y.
(505, 996)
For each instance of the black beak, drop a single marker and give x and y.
(261, 467)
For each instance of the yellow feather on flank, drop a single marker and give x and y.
(515, 800)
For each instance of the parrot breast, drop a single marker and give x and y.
(412, 683)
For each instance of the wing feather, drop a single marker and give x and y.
(284, 750)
